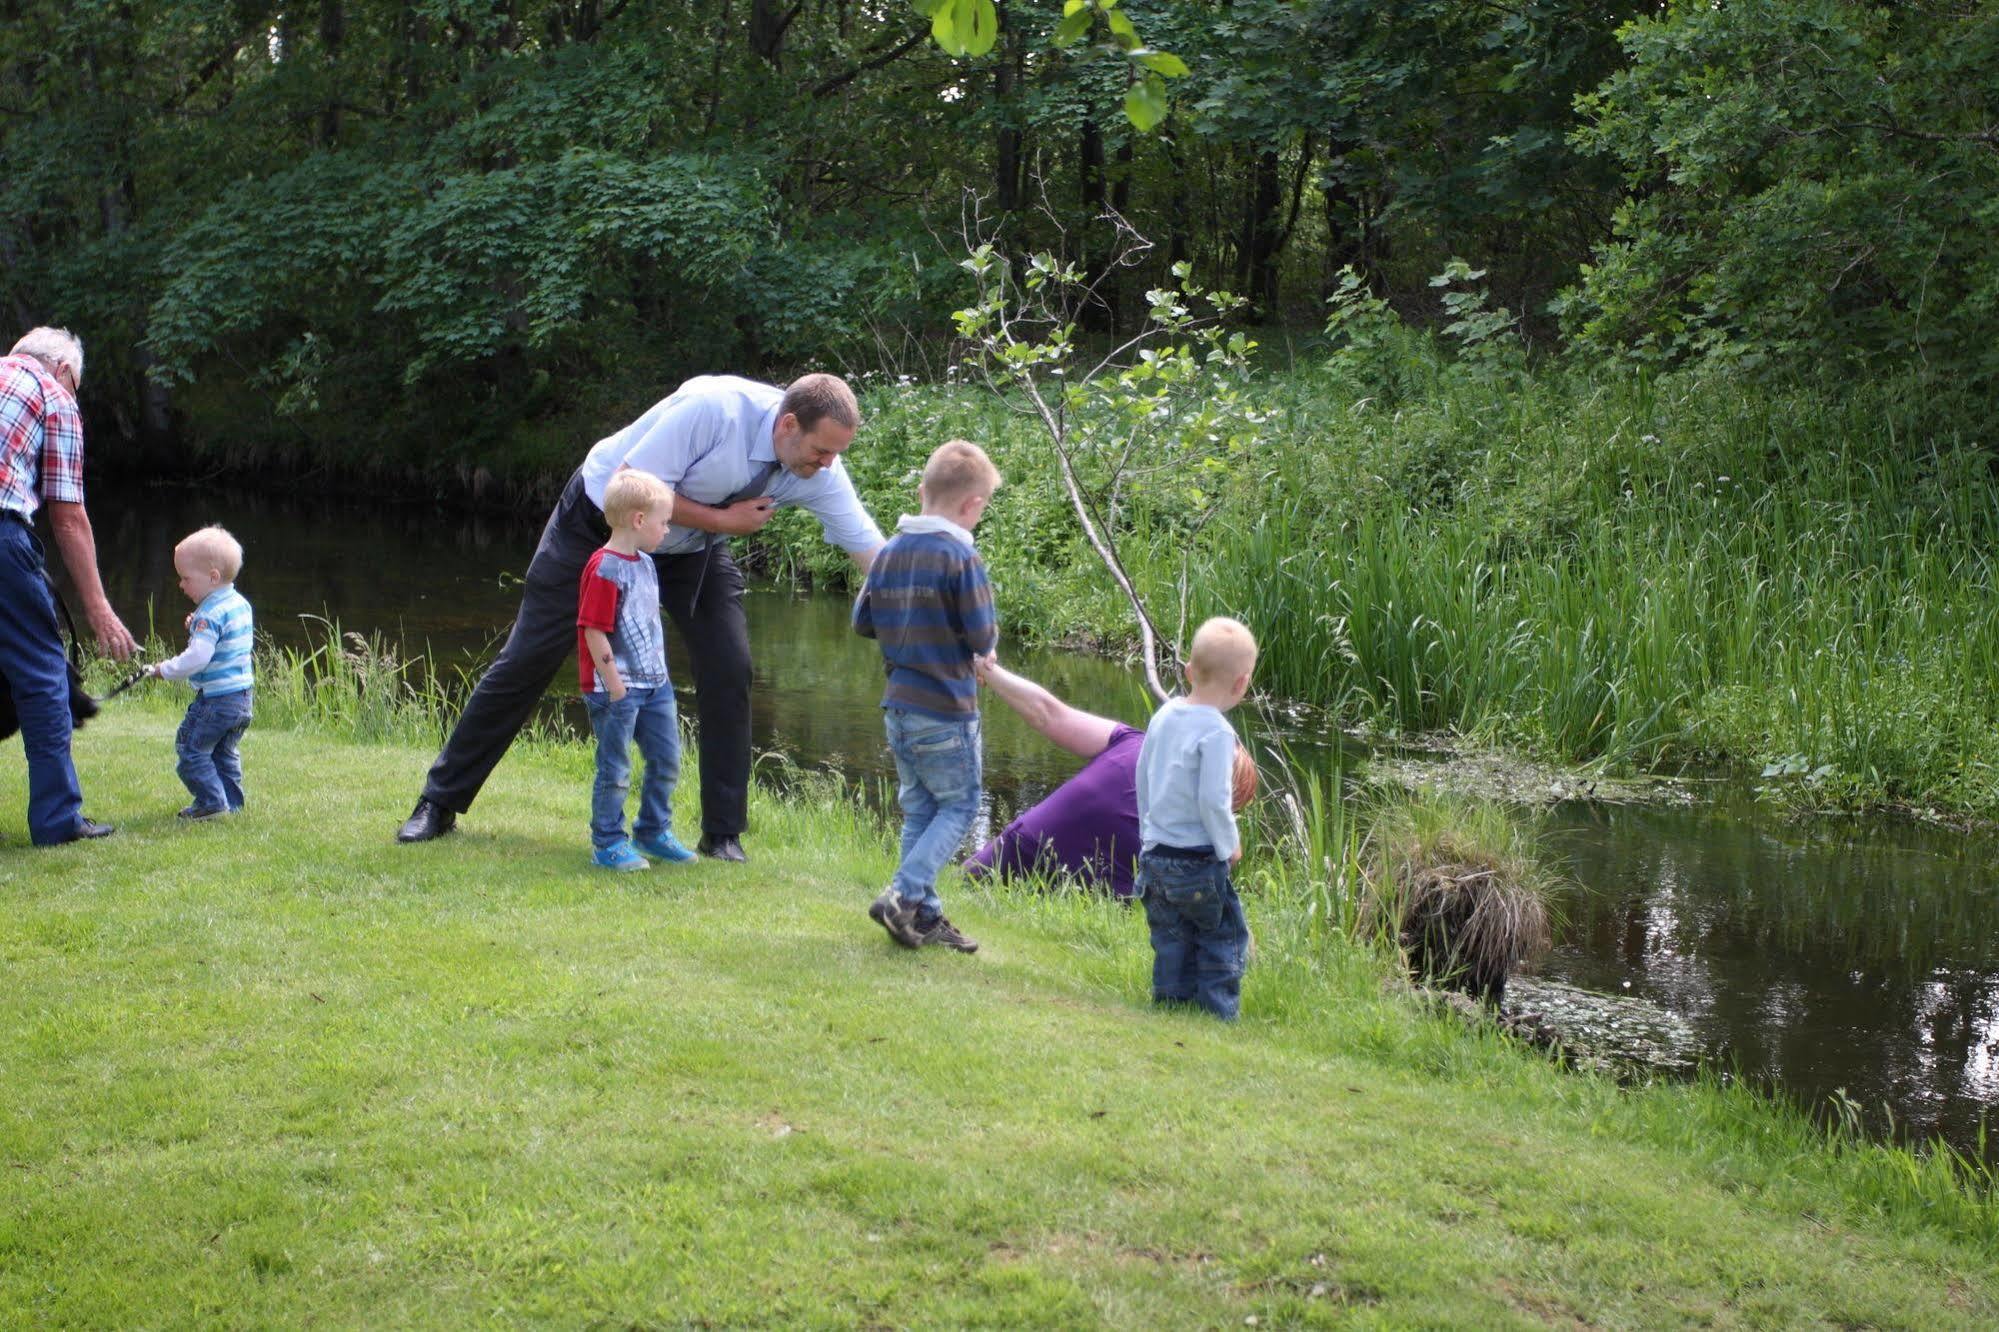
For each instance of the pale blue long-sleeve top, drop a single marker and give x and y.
(1186, 779)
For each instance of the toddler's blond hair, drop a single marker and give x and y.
(213, 548)
(1223, 649)
(957, 470)
(632, 491)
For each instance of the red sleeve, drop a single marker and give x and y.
(596, 599)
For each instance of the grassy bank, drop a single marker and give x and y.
(1615, 569)
(278, 1070)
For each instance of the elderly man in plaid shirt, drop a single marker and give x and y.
(41, 462)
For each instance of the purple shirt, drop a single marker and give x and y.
(1088, 826)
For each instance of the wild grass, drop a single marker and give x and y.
(1461, 885)
(1602, 567)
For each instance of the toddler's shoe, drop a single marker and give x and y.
(888, 912)
(194, 812)
(620, 856)
(663, 847)
(942, 931)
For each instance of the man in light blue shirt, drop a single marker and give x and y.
(733, 450)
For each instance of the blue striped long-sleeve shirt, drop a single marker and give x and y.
(929, 604)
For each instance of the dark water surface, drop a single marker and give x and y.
(1855, 956)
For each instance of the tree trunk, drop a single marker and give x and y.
(1256, 251)
(332, 34)
(1096, 261)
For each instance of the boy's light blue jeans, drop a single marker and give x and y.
(648, 716)
(211, 767)
(939, 765)
(1199, 937)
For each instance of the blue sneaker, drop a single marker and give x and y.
(620, 856)
(664, 847)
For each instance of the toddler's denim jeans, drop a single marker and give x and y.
(210, 766)
(1199, 937)
(648, 716)
(940, 769)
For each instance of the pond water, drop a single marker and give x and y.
(1858, 957)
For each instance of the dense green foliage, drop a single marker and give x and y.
(278, 1070)
(1618, 565)
(409, 234)
(1810, 182)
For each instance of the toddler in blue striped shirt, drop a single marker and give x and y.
(217, 664)
(929, 605)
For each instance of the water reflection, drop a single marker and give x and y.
(1858, 956)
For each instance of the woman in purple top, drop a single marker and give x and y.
(1088, 826)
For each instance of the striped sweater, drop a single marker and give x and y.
(927, 601)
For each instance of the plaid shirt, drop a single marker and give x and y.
(41, 438)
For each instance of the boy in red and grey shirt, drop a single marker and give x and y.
(621, 649)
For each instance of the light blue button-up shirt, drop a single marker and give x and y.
(1186, 779)
(707, 441)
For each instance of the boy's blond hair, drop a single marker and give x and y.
(631, 491)
(215, 549)
(1223, 649)
(957, 470)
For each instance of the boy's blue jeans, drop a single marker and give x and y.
(648, 716)
(210, 766)
(939, 765)
(1199, 937)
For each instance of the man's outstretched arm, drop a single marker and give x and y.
(78, 545)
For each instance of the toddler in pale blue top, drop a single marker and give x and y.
(217, 664)
(1187, 780)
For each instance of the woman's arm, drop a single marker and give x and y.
(1081, 733)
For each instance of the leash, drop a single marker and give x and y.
(122, 685)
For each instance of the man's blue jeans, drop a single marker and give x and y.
(210, 766)
(940, 769)
(31, 661)
(1199, 937)
(649, 717)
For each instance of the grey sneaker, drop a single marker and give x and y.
(942, 931)
(888, 911)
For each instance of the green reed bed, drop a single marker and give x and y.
(1620, 568)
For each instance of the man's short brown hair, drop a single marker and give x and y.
(631, 491)
(814, 398)
(957, 470)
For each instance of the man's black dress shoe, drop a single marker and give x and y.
(89, 830)
(428, 820)
(722, 848)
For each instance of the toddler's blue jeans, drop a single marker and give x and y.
(940, 770)
(649, 717)
(210, 766)
(1199, 937)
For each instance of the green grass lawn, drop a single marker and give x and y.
(278, 1070)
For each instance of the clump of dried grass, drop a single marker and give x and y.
(1462, 886)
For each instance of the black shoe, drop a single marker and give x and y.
(428, 820)
(724, 847)
(942, 931)
(90, 830)
(888, 912)
(195, 813)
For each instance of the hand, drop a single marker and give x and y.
(616, 693)
(1237, 857)
(112, 635)
(982, 666)
(747, 516)
(149, 673)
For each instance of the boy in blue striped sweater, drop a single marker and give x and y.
(217, 664)
(927, 601)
